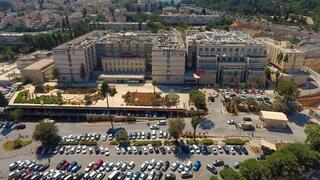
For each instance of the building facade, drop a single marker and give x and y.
(168, 58)
(227, 57)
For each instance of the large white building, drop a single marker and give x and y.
(226, 57)
(168, 58)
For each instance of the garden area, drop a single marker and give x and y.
(24, 97)
(150, 99)
(15, 144)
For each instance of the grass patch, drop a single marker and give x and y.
(113, 143)
(24, 97)
(88, 143)
(79, 90)
(206, 142)
(234, 141)
(143, 99)
(15, 144)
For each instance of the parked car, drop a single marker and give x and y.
(196, 165)
(20, 126)
(212, 169)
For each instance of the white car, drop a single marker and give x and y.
(143, 135)
(220, 149)
(152, 164)
(78, 149)
(110, 137)
(118, 150)
(90, 150)
(84, 149)
(135, 150)
(175, 165)
(160, 135)
(106, 152)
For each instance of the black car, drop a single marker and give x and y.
(130, 136)
(170, 176)
(165, 166)
(218, 163)
(261, 157)
(44, 167)
(121, 176)
(148, 135)
(212, 169)
(60, 164)
(244, 150)
(237, 149)
(78, 176)
(97, 137)
(139, 149)
(226, 149)
(174, 150)
(156, 150)
(203, 150)
(97, 150)
(162, 150)
(158, 175)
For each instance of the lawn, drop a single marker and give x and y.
(15, 144)
(143, 99)
(25, 98)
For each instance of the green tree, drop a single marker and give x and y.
(279, 58)
(83, 72)
(154, 84)
(280, 105)
(229, 174)
(105, 92)
(122, 137)
(195, 121)
(16, 115)
(182, 26)
(197, 98)
(283, 165)
(140, 18)
(288, 89)
(313, 136)
(176, 127)
(46, 133)
(253, 170)
(3, 100)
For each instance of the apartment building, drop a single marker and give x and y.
(226, 58)
(70, 58)
(168, 58)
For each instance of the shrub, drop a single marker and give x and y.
(15, 144)
(144, 143)
(192, 142)
(234, 141)
(88, 143)
(213, 178)
(23, 98)
(207, 142)
(169, 142)
(113, 143)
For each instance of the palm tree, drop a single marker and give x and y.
(154, 83)
(195, 121)
(105, 92)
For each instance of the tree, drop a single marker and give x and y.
(55, 73)
(176, 127)
(171, 99)
(16, 115)
(280, 105)
(197, 98)
(252, 169)
(195, 121)
(140, 17)
(283, 165)
(279, 58)
(288, 89)
(3, 100)
(38, 88)
(87, 99)
(83, 72)
(105, 92)
(307, 158)
(122, 137)
(229, 174)
(154, 84)
(313, 136)
(46, 133)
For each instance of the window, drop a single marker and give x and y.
(206, 49)
(231, 49)
(200, 49)
(236, 49)
(224, 50)
(212, 49)
(218, 49)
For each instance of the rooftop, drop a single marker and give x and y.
(44, 63)
(168, 41)
(270, 115)
(225, 37)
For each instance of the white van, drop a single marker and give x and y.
(113, 175)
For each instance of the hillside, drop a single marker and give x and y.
(266, 7)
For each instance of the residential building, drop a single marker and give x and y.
(168, 58)
(226, 58)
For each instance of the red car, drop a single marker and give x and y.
(20, 126)
(64, 166)
(97, 164)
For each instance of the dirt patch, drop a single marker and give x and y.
(143, 99)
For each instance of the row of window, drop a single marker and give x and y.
(115, 63)
(125, 70)
(254, 50)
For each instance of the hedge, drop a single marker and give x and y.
(234, 141)
(113, 143)
(127, 119)
(214, 178)
(207, 142)
(88, 143)
(169, 142)
(202, 142)
(144, 143)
